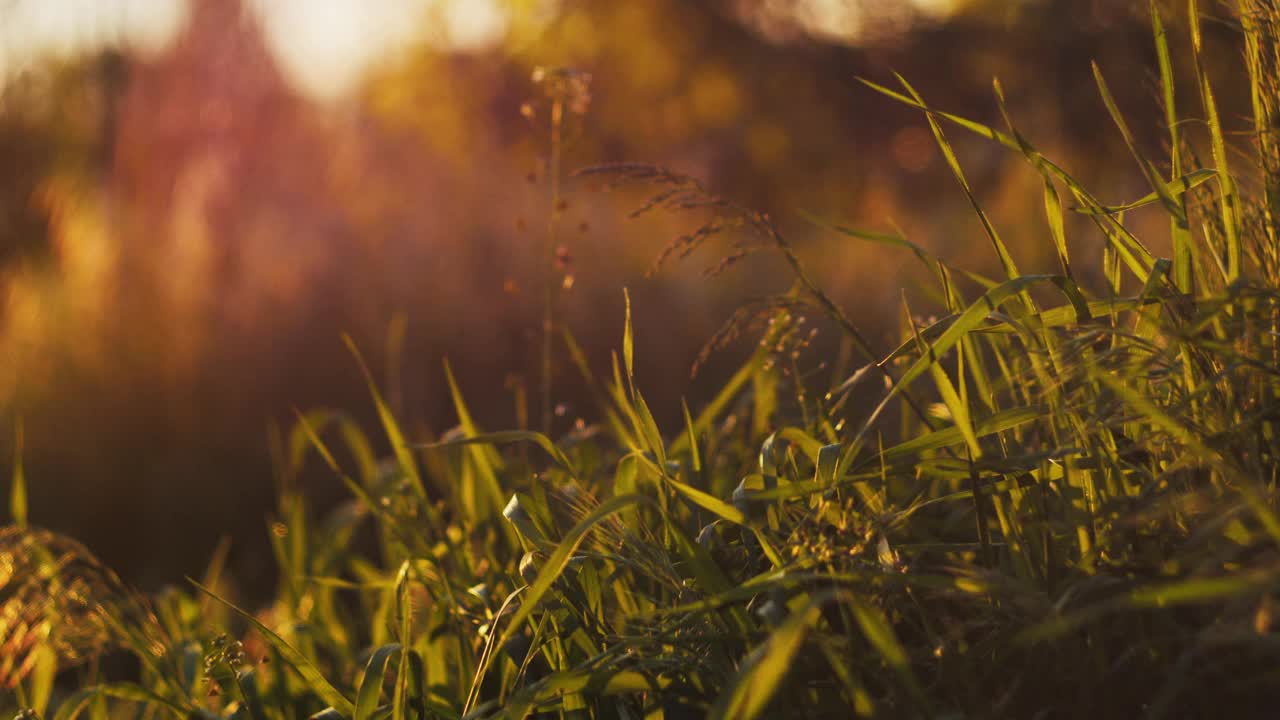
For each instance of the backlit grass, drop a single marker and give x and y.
(1062, 504)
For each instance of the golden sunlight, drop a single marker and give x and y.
(326, 48)
(842, 21)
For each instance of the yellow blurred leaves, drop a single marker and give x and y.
(714, 94)
(425, 95)
(580, 38)
(52, 308)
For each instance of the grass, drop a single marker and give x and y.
(1074, 515)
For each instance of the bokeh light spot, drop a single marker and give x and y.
(714, 94)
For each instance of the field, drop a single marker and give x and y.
(1057, 497)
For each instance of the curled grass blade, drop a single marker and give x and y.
(375, 673)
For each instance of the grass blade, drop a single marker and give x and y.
(371, 686)
(1158, 186)
(300, 663)
(766, 667)
(408, 465)
(512, 436)
(18, 490)
(1226, 183)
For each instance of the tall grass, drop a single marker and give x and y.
(1077, 515)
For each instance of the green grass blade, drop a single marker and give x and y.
(1158, 186)
(947, 437)
(1052, 203)
(967, 321)
(727, 393)
(875, 627)
(300, 663)
(559, 560)
(512, 436)
(957, 408)
(370, 690)
(890, 239)
(1183, 271)
(71, 707)
(599, 683)
(1002, 252)
(647, 428)
(694, 456)
(610, 410)
(1196, 591)
(1179, 186)
(766, 667)
(485, 460)
(356, 489)
(18, 490)
(408, 464)
(1133, 252)
(316, 422)
(1229, 205)
(628, 340)
(709, 502)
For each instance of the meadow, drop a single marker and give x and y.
(1055, 498)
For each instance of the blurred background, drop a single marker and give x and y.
(197, 198)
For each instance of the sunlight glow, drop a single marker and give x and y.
(842, 21)
(327, 47)
(831, 18)
(32, 29)
(937, 8)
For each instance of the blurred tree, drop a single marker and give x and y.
(57, 124)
